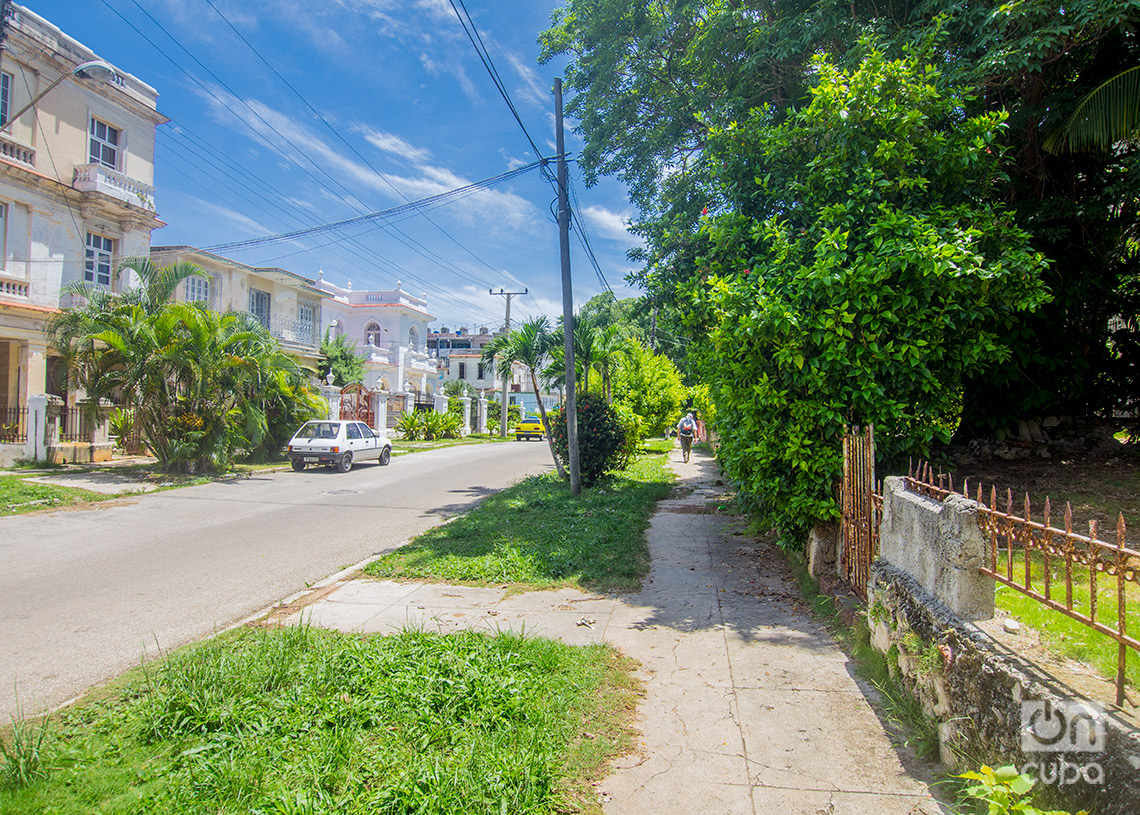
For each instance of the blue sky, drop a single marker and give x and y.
(391, 104)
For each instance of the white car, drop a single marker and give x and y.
(337, 443)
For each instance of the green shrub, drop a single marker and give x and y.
(604, 443)
(410, 426)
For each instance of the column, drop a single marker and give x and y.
(380, 412)
(481, 413)
(466, 402)
(440, 402)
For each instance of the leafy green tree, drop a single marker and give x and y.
(530, 345)
(861, 275)
(649, 386)
(340, 357)
(649, 79)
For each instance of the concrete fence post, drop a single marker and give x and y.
(37, 430)
(440, 400)
(939, 544)
(481, 415)
(379, 412)
(466, 402)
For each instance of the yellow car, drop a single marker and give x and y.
(530, 428)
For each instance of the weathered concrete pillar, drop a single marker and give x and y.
(332, 396)
(940, 545)
(822, 550)
(440, 400)
(379, 412)
(466, 402)
(35, 447)
(481, 415)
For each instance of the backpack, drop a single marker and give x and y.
(687, 426)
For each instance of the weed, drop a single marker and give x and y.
(26, 759)
(1004, 791)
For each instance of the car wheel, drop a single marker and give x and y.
(385, 456)
(298, 465)
(345, 463)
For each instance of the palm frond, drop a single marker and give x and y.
(1108, 114)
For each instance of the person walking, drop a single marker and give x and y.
(686, 428)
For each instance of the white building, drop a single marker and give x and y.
(459, 355)
(76, 194)
(390, 330)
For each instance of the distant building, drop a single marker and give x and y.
(289, 305)
(76, 194)
(390, 331)
(459, 355)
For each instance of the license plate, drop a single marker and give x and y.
(311, 459)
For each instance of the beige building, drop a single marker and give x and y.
(289, 305)
(76, 194)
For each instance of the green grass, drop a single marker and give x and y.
(18, 496)
(537, 534)
(1062, 635)
(299, 720)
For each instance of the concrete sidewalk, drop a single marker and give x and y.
(750, 707)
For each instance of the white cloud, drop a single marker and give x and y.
(393, 144)
(221, 217)
(531, 90)
(309, 152)
(609, 224)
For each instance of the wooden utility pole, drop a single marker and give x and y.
(503, 412)
(571, 409)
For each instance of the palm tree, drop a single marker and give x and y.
(157, 283)
(529, 344)
(1107, 114)
(610, 344)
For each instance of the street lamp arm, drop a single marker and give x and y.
(95, 69)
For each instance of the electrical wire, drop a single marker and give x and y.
(222, 102)
(344, 141)
(431, 201)
(485, 57)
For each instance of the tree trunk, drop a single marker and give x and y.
(546, 427)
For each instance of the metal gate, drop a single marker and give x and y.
(356, 403)
(397, 405)
(861, 507)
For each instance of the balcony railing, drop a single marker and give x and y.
(97, 178)
(300, 332)
(17, 153)
(13, 288)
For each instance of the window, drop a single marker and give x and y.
(104, 144)
(5, 97)
(259, 305)
(198, 289)
(97, 262)
(353, 430)
(372, 334)
(462, 370)
(305, 322)
(482, 371)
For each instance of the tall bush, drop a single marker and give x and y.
(648, 386)
(861, 276)
(603, 441)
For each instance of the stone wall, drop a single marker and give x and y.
(924, 591)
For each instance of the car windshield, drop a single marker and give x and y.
(318, 430)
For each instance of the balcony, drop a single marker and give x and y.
(97, 178)
(295, 332)
(13, 288)
(19, 154)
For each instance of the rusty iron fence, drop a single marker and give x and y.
(861, 505)
(13, 425)
(1023, 554)
(71, 425)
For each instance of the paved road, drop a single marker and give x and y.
(82, 593)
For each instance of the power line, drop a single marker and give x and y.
(245, 122)
(433, 201)
(342, 139)
(485, 57)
